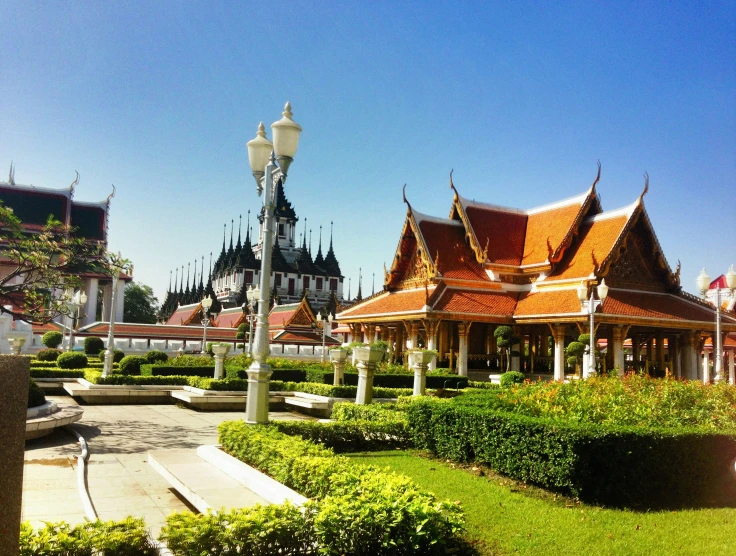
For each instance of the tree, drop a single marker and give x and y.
(42, 267)
(140, 305)
(504, 340)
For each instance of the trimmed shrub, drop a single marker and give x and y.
(169, 370)
(55, 372)
(49, 354)
(258, 530)
(510, 378)
(349, 411)
(156, 356)
(134, 380)
(52, 339)
(355, 509)
(117, 355)
(35, 394)
(131, 364)
(126, 537)
(619, 466)
(191, 361)
(284, 375)
(93, 345)
(71, 360)
(351, 436)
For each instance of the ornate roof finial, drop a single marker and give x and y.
(403, 193)
(646, 187)
(452, 185)
(111, 195)
(597, 178)
(11, 174)
(240, 225)
(74, 183)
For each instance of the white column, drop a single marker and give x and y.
(462, 355)
(366, 370)
(90, 308)
(119, 301)
(420, 373)
(559, 335)
(432, 344)
(706, 370)
(618, 350)
(414, 336)
(732, 367)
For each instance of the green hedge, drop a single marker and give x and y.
(603, 464)
(126, 537)
(353, 436)
(55, 372)
(36, 396)
(169, 370)
(354, 509)
(403, 380)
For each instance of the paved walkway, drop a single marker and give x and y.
(120, 481)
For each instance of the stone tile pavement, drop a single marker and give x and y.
(120, 481)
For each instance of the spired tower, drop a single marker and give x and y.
(294, 273)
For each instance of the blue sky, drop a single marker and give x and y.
(520, 99)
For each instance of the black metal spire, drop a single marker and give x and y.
(373, 286)
(360, 284)
(239, 245)
(319, 260)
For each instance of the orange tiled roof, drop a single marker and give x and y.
(231, 319)
(403, 301)
(596, 239)
(553, 225)
(183, 314)
(311, 338)
(502, 231)
(661, 306)
(456, 259)
(159, 331)
(558, 302)
(476, 303)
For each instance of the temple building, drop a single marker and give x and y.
(33, 206)
(294, 273)
(454, 280)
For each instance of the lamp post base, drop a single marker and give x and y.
(107, 367)
(256, 405)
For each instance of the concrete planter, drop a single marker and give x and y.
(220, 351)
(338, 356)
(417, 358)
(368, 355)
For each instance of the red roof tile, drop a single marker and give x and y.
(556, 302)
(230, 319)
(159, 331)
(403, 301)
(476, 303)
(657, 305)
(456, 259)
(502, 231)
(595, 241)
(551, 225)
(183, 315)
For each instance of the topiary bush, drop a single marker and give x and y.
(131, 364)
(117, 355)
(127, 537)
(510, 378)
(50, 354)
(93, 345)
(191, 361)
(35, 394)
(71, 360)
(156, 356)
(52, 339)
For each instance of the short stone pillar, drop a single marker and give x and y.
(259, 375)
(220, 351)
(419, 361)
(14, 374)
(16, 345)
(367, 359)
(338, 358)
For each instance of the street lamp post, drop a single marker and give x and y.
(703, 281)
(262, 155)
(324, 324)
(589, 306)
(75, 304)
(206, 304)
(116, 265)
(251, 295)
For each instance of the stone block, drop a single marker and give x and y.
(14, 374)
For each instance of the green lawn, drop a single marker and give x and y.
(505, 517)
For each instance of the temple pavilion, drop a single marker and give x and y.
(454, 280)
